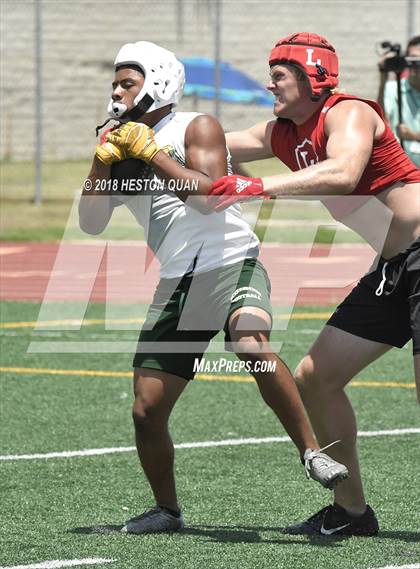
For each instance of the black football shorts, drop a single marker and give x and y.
(385, 304)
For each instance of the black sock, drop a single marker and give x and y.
(355, 516)
(175, 513)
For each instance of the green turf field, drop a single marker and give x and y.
(235, 497)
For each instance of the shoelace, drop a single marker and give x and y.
(316, 454)
(147, 514)
(380, 288)
(321, 514)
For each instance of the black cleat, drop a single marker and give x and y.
(333, 520)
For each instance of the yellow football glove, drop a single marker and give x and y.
(109, 153)
(136, 139)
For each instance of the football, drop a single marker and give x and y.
(127, 171)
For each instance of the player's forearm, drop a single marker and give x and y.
(95, 207)
(409, 134)
(329, 177)
(238, 168)
(247, 146)
(191, 182)
(190, 185)
(243, 154)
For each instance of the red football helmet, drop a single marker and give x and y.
(312, 53)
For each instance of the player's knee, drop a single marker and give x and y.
(302, 372)
(141, 417)
(145, 415)
(250, 347)
(311, 380)
(305, 376)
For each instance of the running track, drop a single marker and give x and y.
(76, 271)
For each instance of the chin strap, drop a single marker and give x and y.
(139, 110)
(98, 128)
(142, 107)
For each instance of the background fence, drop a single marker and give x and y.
(78, 40)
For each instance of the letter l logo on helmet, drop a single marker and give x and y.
(309, 58)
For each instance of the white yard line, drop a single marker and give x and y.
(198, 444)
(412, 566)
(61, 563)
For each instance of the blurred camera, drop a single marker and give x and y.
(397, 62)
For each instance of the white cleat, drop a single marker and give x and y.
(324, 469)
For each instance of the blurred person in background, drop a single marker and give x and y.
(408, 129)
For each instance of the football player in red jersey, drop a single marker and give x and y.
(338, 146)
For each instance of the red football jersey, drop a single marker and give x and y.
(300, 146)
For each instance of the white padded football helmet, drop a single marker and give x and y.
(164, 79)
